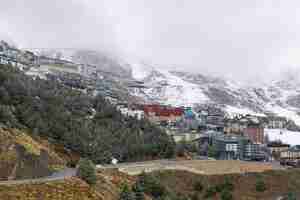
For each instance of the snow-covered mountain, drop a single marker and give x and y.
(281, 97)
(153, 83)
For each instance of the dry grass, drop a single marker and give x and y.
(278, 183)
(72, 189)
(227, 166)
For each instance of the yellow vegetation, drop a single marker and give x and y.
(28, 143)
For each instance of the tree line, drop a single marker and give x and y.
(88, 125)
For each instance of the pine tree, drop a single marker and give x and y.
(139, 192)
(212, 151)
(291, 196)
(226, 195)
(260, 185)
(87, 171)
(126, 193)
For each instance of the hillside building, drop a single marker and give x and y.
(277, 147)
(255, 132)
(160, 113)
(276, 122)
(230, 147)
(292, 154)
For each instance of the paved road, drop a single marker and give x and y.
(61, 175)
(195, 166)
(66, 173)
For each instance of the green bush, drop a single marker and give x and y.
(228, 185)
(212, 151)
(87, 171)
(138, 191)
(151, 185)
(210, 192)
(291, 196)
(260, 186)
(226, 195)
(126, 193)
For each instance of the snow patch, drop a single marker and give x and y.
(288, 113)
(231, 110)
(288, 137)
(179, 92)
(140, 70)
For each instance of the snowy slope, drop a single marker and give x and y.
(288, 137)
(281, 97)
(166, 88)
(140, 70)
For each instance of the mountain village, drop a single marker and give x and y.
(211, 131)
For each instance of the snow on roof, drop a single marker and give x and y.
(289, 114)
(231, 110)
(288, 137)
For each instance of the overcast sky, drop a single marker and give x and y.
(238, 38)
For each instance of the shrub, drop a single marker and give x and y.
(195, 196)
(138, 191)
(219, 188)
(212, 151)
(151, 185)
(198, 186)
(228, 185)
(87, 171)
(210, 192)
(291, 196)
(126, 193)
(226, 195)
(260, 185)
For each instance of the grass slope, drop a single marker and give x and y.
(278, 183)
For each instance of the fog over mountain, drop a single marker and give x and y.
(244, 40)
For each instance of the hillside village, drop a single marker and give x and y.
(149, 100)
(201, 133)
(239, 136)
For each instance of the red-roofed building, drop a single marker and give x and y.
(158, 113)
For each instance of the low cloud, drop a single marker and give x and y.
(240, 39)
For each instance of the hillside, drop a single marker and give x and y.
(70, 189)
(22, 157)
(183, 184)
(85, 124)
(137, 81)
(144, 82)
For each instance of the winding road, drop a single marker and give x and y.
(57, 176)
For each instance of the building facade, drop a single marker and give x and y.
(229, 147)
(292, 154)
(255, 132)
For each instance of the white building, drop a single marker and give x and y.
(139, 114)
